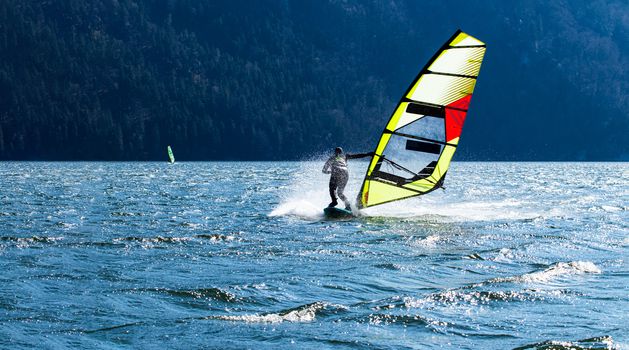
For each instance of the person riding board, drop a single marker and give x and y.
(336, 165)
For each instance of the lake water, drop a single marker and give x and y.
(237, 255)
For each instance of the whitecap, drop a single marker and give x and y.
(561, 269)
(504, 255)
(428, 242)
(557, 270)
(305, 313)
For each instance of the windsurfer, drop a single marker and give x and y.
(336, 165)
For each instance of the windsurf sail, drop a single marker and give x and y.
(171, 156)
(417, 144)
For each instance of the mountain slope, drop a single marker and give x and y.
(117, 80)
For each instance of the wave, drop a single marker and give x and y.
(405, 320)
(158, 239)
(430, 241)
(124, 213)
(391, 266)
(390, 311)
(454, 297)
(110, 328)
(457, 296)
(216, 237)
(597, 343)
(161, 239)
(467, 295)
(560, 269)
(500, 255)
(303, 313)
(26, 242)
(122, 242)
(201, 293)
(475, 256)
(36, 239)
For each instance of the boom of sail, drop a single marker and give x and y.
(417, 144)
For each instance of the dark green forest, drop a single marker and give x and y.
(271, 80)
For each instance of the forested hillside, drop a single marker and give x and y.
(232, 79)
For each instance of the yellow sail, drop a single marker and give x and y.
(417, 144)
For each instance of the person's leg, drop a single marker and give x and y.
(340, 188)
(333, 185)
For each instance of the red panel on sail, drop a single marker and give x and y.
(462, 103)
(455, 117)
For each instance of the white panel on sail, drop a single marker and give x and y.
(468, 41)
(407, 118)
(441, 89)
(459, 61)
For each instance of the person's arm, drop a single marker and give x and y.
(326, 166)
(359, 155)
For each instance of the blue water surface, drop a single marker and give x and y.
(238, 255)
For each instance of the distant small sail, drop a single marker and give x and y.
(417, 144)
(171, 156)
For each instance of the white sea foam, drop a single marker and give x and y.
(428, 242)
(504, 255)
(307, 193)
(562, 269)
(305, 313)
(557, 270)
(454, 297)
(26, 242)
(611, 208)
(452, 210)
(604, 342)
(299, 208)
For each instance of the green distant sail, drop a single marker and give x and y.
(171, 156)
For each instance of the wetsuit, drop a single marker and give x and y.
(337, 167)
